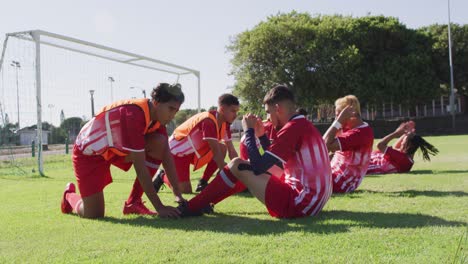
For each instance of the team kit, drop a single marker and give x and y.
(283, 161)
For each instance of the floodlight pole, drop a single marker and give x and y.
(142, 90)
(452, 92)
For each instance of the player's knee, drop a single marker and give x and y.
(235, 163)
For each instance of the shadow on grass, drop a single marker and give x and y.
(412, 193)
(418, 172)
(327, 222)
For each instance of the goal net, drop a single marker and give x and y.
(51, 84)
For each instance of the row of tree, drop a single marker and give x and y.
(376, 58)
(70, 127)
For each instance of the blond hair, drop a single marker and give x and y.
(348, 100)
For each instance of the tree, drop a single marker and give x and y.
(62, 116)
(439, 48)
(324, 57)
(72, 125)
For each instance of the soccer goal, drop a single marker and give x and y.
(51, 84)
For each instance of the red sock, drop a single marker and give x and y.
(74, 200)
(237, 189)
(137, 191)
(210, 169)
(222, 184)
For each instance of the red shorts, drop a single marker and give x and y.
(92, 172)
(279, 199)
(182, 165)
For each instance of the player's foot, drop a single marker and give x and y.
(158, 181)
(65, 205)
(201, 185)
(138, 208)
(185, 211)
(208, 209)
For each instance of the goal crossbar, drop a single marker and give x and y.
(89, 48)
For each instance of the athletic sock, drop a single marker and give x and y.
(210, 169)
(237, 189)
(137, 191)
(222, 184)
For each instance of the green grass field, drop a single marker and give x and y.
(419, 217)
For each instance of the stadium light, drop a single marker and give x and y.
(17, 66)
(142, 90)
(111, 80)
(452, 92)
(91, 92)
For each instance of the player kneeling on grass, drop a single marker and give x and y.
(197, 141)
(351, 140)
(292, 178)
(399, 158)
(117, 133)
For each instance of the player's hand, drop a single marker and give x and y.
(168, 212)
(346, 114)
(411, 126)
(249, 121)
(259, 128)
(402, 129)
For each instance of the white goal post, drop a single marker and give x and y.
(40, 37)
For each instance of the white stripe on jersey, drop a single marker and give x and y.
(277, 157)
(226, 179)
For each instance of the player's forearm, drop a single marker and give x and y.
(330, 137)
(265, 142)
(383, 143)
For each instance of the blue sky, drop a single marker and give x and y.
(195, 33)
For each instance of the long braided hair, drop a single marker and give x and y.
(417, 142)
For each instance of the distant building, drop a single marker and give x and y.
(28, 135)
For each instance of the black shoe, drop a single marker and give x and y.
(185, 211)
(158, 180)
(201, 185)
(209, 209)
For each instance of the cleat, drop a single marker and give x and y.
(201, 185)
(65, 205)
(209, 209)
(158, 181)
(185, 211)
(138, 208)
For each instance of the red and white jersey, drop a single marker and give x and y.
(122, 128)
(204, 130)
(350, 163)
(301, 149)
(391, 161)
(270, 131)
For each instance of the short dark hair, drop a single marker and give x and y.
(302, 111)
(228, 100)
(277, 94)
(165, 92)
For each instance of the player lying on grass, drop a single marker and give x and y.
(120, 132)
(399, 157)
(197, 141)
(351, 140)
(292, 178)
